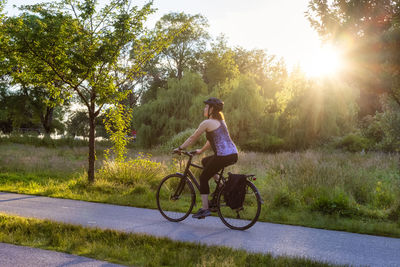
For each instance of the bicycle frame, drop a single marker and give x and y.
(188, 173)
(173, 185)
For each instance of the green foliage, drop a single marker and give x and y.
(371, 48)
(78, 124)
(268, 72)
(117, 124)
(219, 64)
(384, 197)
(353, 143)
(333, 202)
(384, 127)
(25, 109)
(180, 138)
(84, 49)
(160, 119)
(284, 198)
(267, 143)
(394, 213)
(243, 108)
(313, 112)
(186, 48)
(141, 171)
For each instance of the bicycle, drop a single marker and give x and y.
(176, 198)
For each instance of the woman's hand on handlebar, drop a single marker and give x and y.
(177, 151)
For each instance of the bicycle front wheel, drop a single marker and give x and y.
(245, 216)
(175, 197)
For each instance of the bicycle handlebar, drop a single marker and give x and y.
(187, 153)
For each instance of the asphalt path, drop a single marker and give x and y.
(19, 256)
(322, 245)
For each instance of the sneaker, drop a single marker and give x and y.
(201, 214)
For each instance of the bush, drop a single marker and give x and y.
(394, 213)
(383, 197)
(336, 202)
(140, 172)
(384, 127)
(354, 143)
(284, 199)
(267, 143)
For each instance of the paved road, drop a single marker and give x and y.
(322, 245)
(17, 256)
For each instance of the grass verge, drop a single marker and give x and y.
(130, 249)
(321, 189)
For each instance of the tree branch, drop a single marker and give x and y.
(74, 87)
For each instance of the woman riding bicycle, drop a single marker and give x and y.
(225, 151)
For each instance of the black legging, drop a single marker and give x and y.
(213, 164)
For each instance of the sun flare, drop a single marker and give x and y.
(325, 61)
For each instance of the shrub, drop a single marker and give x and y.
(384, 197)
(394, 213)
(336, 202)
(267, 143)
(284, 199)
(384, 127)
(353, 143)
(139, 171)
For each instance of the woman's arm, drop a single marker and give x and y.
(193, 138)
(206, 146)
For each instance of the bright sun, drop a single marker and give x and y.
(324, 62)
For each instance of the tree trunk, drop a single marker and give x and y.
(180, 73)
(47, 120)
(92, 151)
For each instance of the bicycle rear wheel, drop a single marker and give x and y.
(175, 197)
(244, 217)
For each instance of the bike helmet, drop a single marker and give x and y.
(215, 103)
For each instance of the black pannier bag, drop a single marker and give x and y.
(235, 190)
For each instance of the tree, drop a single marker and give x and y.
(312, 111)
(186, 48)
(172, 111)
(368, 31)
(219, 64)
(24, 109)
(244, 108)
(82, 46)
(269, 72)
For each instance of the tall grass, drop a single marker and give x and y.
(26, 158)
(329, 182)
(327, 189)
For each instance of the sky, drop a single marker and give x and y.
(278, 26)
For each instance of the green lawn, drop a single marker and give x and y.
(130, 249)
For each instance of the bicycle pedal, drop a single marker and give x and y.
(202, 217)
